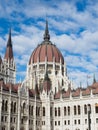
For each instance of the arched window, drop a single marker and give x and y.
(22, 128)
(3, 105)
(43, 111)
(59, 113)
(12, 128)
(64, 111)
(55, 111)
(96, 107)
(36, 111)
(62, 82)
(14, 107)
(32, 110)
(29, 110)
(68, 110)
(79, 110)
(11, 107)
(24, 107)
(6, 105)
(3, 128)
(75, 110)
(50, 111)
(85, 109)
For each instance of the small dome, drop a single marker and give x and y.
(46, 51)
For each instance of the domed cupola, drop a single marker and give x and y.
(46, 51)
(46, 57)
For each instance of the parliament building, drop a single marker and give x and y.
(46, 99)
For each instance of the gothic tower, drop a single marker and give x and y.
(7, 65)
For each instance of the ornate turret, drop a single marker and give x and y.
(94, 79)
(9, 50)
(10, 67)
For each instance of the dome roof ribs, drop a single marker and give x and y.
(46, 35)
(46, 51)
(52, 52)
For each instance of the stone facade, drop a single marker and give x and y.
(44, 100)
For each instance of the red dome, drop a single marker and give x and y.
(46, 50)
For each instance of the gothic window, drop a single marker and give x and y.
(75, 110)
(59, 111)
(68, 122)
(43, 111)
(55, 122)
(2, 118)
(65, 122)
(32, 110)
(50, 111)
(14, 107)
(36, 111)
(78, 110)
(75, 122)
(3, 105)
(58, 122)
(6, 105)
(29, 109)
(78, 121)
(24, 107)
(64, 111)
(11, 107)
(12, 128)
(3, 128)
(96, 108)
(68, 110)
(85, 109)
(62, 82)
(55, 111)
(22, 128)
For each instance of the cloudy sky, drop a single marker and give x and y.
(73, 26)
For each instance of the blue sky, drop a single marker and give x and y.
(73, 26)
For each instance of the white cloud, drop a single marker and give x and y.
(65, 23)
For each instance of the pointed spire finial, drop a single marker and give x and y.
(46, 35)
(9, 43)
(94, 79)
(9, 49)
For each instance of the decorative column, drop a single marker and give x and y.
(27, 109)
(0, 106)
(19, 110)
(9, 109)
(34, 113)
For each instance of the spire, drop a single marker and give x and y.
(94, 79)
(9, 50)
(46, 35)
(9, 43)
